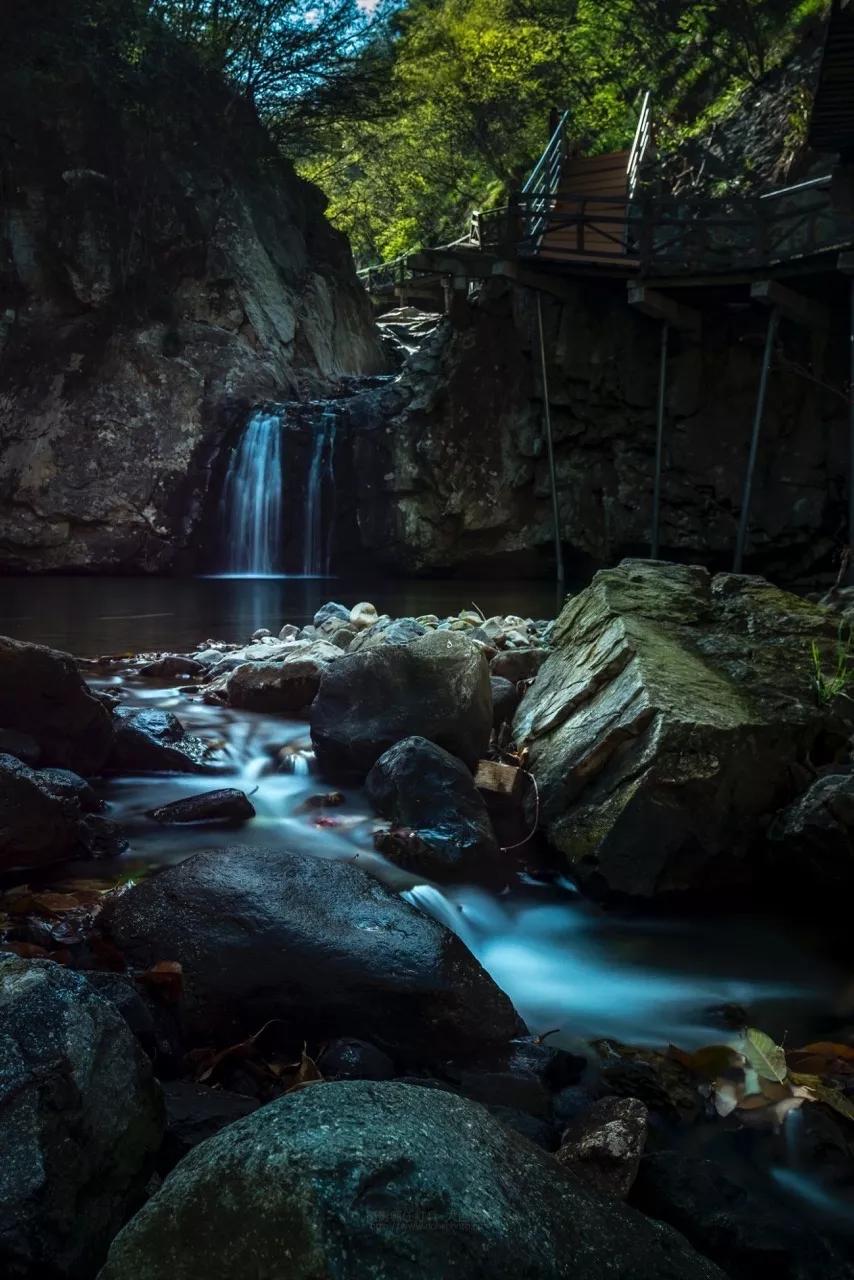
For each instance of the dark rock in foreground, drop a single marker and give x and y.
(386, 1182)
(42, 695)
(316, 943)
(35, 830)
(422, 787)
(80, 1120)
(436, 687)
(670, 721)
(228, 804)
(287, 684)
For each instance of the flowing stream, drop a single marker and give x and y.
(566, 963)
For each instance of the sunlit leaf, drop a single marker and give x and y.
(767, 1058)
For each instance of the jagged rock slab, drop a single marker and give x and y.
(670, 720)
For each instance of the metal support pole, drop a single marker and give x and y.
(851, 436)
(744, 519)
(550, 447)
(659, 440)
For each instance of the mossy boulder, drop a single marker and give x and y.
(675, 714)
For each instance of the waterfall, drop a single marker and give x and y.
(316, 549)
(252, 499)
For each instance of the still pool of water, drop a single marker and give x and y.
(91, 616)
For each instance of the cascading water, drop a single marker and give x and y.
(316, 548)
(253, 499)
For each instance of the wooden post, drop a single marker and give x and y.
(744, 519)
(659, 440)
(550, 448)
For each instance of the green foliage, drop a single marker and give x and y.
(830, 684)
(471, 84)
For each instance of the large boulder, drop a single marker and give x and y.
(367, 1181)
(436, 687)
(316, 943)
(80, 1120)
(35, 828)
(670, 719)
(288, 684)
(42, 694)
(425, 789)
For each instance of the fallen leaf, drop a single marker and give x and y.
(773, 1090)
(767, 1058)
(710, 1062)
(307, 1073)
(167, 977)
(828, 1049)
(827, 1094)
(207, 1061)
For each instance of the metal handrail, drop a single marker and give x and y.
(639, 145)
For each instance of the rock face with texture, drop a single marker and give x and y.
(436, 687)
(288, 684)
(670, 721)
(168, 270)
(42, 695)
(80, 1120)
(420, 786)
(319, 944)
(153, 741)
(366, 1181)
(604, 1146)
(439, 492)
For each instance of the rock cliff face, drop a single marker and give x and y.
(161, 269)
(456, 476)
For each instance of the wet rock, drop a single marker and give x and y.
(172, 666)
(153, 742)
(289, 632)
(332, 611)
(195, 1112)
(505, 700)
(747, 1231)
(316, 943)
(420, 786)
(604, 1146)
(123, 993)
(363, 615)
(343, 637)
(350, 1059)
(523, 1076)
(227, 804)
(387, 1180)
(669, 721)
(43, 696)
(664, 1085)
(21, 745)
(814, 836)
(286, 685)
(262, 633)
(388, 631)
(80, 1120)
(35, 829)
(518, 664)
(98, 837)
(74, 791)
(437, 687)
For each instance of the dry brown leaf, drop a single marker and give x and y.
(307, 1073)
(167, 978)
(709, 1062)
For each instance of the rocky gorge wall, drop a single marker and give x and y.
(161, 270)
(453, 471)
